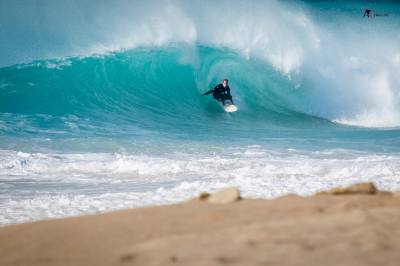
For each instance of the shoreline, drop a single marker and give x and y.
(357, 225)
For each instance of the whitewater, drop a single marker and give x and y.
(101, 104)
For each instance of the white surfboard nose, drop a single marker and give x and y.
(230, 108)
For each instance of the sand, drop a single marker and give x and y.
(324, 229)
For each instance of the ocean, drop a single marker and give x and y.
(101, 104)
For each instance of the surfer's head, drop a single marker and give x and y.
(225, 82)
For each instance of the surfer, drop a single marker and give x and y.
(371, 13)
(221, 92)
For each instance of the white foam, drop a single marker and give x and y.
(39, 186)
(372, 118)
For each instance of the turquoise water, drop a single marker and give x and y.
(95, 119)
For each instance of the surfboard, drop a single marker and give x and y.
(230, 108)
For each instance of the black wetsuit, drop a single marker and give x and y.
(369, 13)
(221, 93)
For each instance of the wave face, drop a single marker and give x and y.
(144, 90)
(151, 90)
(101, 103)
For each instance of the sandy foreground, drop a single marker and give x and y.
(345, 227)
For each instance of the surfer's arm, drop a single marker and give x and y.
(228, 92)
(208, 92)
(212, 90)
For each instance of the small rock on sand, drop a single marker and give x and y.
(360, 188)
(224, 196)
(204, 195)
